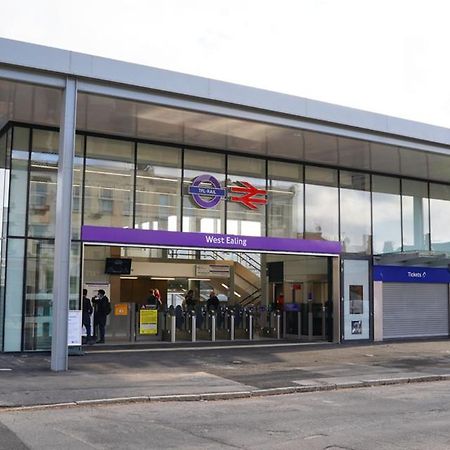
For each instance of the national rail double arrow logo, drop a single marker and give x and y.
(207, 193)
(251, 196)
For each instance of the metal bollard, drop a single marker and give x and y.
(232, 327)
(213, 327)
(278, 326)
(299, 330)
(323, 323)
(173, 329)
(284, 325)
(193, 327)
(310, 325)
(250, 327)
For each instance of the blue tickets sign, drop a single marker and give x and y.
(403, 274)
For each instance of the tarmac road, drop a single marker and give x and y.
(410, 416)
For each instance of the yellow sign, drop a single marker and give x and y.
(148, 321)
(121, 309)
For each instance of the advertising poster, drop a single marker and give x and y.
(148, 321)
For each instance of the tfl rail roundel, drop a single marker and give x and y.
(207, 193)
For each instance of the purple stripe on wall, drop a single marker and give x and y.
(129, 236)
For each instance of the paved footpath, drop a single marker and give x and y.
(216, 372)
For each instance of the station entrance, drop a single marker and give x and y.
(259, 295)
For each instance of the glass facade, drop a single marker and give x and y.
(241, 219)
(285, 198)
(386, 213)
(133, 184)
(355, 212)
(440, 217)
(321, 204)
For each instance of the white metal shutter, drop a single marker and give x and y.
(415, 310)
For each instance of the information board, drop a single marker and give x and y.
(74, 328)
(148, 321)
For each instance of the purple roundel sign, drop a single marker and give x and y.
(206, 191)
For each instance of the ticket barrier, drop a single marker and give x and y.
(244, 323)
(272, 327)
(200, 324)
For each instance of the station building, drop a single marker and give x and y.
(125, 177)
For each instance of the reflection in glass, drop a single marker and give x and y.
(43, 177)
(158, 186)
(38, 295)
(386, 214)
(77, 198)
(440, 217)
(109, 183)
(196, 218)
(355, 212)
(19, 181)
(415, 214)
(240, 218)
(321, 204)
(14, 295)
(285, 200)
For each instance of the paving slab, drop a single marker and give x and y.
(209, 373)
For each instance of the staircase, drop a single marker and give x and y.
(246, 268)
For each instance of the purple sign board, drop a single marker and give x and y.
(156, 238)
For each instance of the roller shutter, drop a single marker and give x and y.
(415, 310)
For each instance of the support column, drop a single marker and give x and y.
(63, 231)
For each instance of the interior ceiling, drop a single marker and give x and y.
(39, 105)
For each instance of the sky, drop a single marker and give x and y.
(385, 56)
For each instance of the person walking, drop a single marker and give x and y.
(102, 308)
(86, 315)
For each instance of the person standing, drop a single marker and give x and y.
(86, 316)
(102, 308)
(158, 300)
(213, 302)
(189, 301)
(152, 300)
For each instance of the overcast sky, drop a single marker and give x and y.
(387, 56)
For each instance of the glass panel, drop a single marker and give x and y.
(109, 183)
(321, 204)
(241, 219)
(77, 186)
(355, 212)
(386, 214)
(285, 200)
(43, 177)
(14, 295)
(415, 210)
(38, 297)
(158, 188)
(75, 269)
(440, 217)
(356, 300)
(19, 182)
(207, 216)
(4, 141)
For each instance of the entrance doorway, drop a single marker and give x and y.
(250, 287)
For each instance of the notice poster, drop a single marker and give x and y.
(148, 321)
(74, 328)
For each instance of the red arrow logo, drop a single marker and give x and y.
(249, 192)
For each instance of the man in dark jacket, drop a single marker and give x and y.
(87, 311)
(102, 308)
(212, 302)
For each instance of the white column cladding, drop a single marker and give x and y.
(377, 311)
(63, 231)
